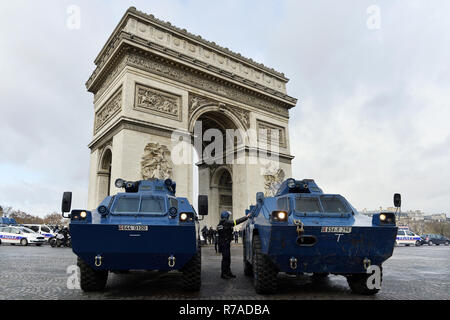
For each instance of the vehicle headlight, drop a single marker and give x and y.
(279, 215)
(183, 216)
(119, 183)
(83, 214)
(382, 217)
(291, 183)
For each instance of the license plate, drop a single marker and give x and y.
(337, 229)
(132, 228)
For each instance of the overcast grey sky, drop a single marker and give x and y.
(374, 103)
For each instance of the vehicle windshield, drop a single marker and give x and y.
(334, 205)
(143, 205)
(324, 204)
(26, 230)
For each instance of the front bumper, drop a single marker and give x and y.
(339, 253)
(104, 247)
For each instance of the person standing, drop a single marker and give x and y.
(236, 237)
(216, 240)
(225, 231)
(210, 234)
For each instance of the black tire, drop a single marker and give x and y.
(248, 269)
(319, 276)
(446, 243)
(264, 272)
(192, 272)
(430, 243)
(24, 242)
(358, 283)
(52, 242)
(418, 243)
(90, 279)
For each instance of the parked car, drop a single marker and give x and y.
(407, 237)
(20, 235)
(42, 229)
(436, 239)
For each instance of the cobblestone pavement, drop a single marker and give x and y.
(42, 273)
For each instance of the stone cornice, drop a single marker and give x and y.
(142, 29)
(127, 54)
(132, 124)
(132, 11)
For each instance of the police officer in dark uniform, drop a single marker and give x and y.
(225, 231)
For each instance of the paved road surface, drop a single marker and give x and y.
(41, 273)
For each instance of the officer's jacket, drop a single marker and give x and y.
(225, 229)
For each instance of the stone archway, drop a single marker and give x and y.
(104, 174)
(215, 172)
(153, 80)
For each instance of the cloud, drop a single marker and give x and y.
(373, 104)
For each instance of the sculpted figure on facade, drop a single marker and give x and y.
(273, 177)
(156, 162)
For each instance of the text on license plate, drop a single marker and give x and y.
(337, 229)
(123, 227)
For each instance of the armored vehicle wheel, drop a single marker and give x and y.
(90, 279)
(358, 283)
(319, 276)
(264, 272)
(430, 243)
(23, 242)
(192, 271)
(248, 269)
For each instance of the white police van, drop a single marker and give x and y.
(20, 235)
(42, 229)
(407, 237)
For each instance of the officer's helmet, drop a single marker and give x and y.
(225, 215)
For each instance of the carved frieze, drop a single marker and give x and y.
(108, 110)
(155, 101)
(267, 130)
(196, 102)
(156, 162)
(162, 68)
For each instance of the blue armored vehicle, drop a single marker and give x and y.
(144, 228)
(303, 230)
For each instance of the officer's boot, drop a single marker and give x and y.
(225, 276)
(229, 274)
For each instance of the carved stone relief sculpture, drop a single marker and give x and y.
(155, 101)
(156, 162)
(108, 110)
(196, 102)
(273, 177)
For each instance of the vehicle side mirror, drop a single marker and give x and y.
(259, 197)
(66, 203)
(397, 200)
(203, 205)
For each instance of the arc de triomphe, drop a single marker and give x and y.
(153, 80)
